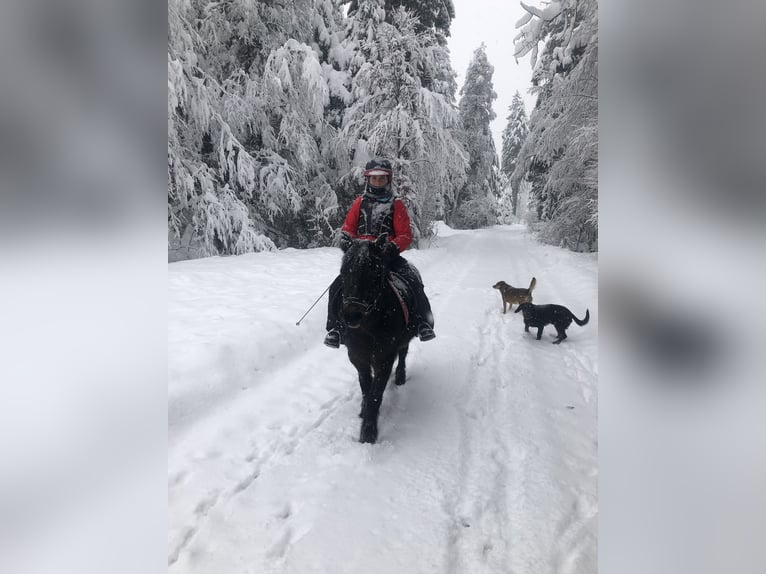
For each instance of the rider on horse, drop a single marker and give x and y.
(375, 212)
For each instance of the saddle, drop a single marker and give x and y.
(403, 292)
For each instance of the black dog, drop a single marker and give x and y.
(557, 315)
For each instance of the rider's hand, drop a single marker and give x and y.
(390, 249)
(344, 242)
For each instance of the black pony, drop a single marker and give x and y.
(376, 327)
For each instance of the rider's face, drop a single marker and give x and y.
(378, 180)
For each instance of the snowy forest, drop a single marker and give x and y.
(273, 109)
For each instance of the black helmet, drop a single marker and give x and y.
(375, 167)
(379, 167)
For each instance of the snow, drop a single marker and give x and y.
(487, 456)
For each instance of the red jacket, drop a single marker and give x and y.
(401, 234)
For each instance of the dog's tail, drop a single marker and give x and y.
(583, 321)
(532, 285)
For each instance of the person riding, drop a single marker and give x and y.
(375, 212)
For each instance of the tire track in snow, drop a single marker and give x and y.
(509, 513)
(480, 522)
(571, 508)
(477, 530)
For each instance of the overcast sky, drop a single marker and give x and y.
(491, 22)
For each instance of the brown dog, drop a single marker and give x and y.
(511, 294)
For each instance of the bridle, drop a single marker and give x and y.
(366, 307)
(362, 305)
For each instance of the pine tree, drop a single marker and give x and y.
(251, 155)
(514, 136)
(433, 15)
(560, 154)
(205, 214)
(475, 205)
(395, 116)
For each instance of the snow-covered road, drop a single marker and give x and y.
(487, 457)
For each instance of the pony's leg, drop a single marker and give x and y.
(371, 407)
(365, 377)
(401, 367)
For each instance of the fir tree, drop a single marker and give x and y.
(560, 154)
(433, 15)
(206, 215)
(514, 136)
(251, 155)
(395, 116)
(475, 205)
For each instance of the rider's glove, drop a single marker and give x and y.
(390, 249)
(344, 242)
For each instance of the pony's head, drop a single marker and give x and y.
(363, 272)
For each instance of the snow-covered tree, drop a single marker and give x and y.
(393, 115)
(433, 15)
(514, 136)
(475, 204)
(250, 152)
(300, 142)
(205, 214)
(560, 154)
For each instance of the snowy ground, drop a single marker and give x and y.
(487, 457)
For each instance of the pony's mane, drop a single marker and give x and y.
(360, 250)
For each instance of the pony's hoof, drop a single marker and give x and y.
(400, 380)
(369, 433)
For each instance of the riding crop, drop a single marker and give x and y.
(312, 306)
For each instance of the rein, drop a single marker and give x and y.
(367, 307)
